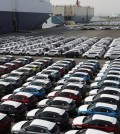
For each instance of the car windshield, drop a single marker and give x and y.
(38, 83)
(14, 75)
(91, 106)
(71, 80)
(19, 97)
(22, 70)
(49, 114)
(40, 77)
(6, 107)
(56, 102)
(87, 119)
(72, 87)
(28, 90)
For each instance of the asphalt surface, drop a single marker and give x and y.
(63, 31)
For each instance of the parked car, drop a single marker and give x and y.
(27, 99)
(57, 115)
(15, 110)
(100, 122)
(35, 126)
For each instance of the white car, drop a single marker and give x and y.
(96, 91)
(34, 52)
(53, 53)
(18, 51)
(96, 55)
(92, 98)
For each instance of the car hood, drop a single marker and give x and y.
(94, 84)
(89, 98)
(72, 132)
(43, 102)
(30, 79)
(93, 92)
(61, 81)
(98, 78)
(58, 87)
(32, 112)
(18, 126)
(52, 93)
(78, 120)
(83, 108)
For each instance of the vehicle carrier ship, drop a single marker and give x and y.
(22, 15)
(76, 13)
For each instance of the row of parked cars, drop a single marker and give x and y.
(113, 51)
(47, 108)
(54, 46)
(61, 103)
(101, 108)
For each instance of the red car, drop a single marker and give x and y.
(26, 98)
(96, 121)
(11, 66)
(5, 123)
(17, 63)
(68, 93)
(4, 70)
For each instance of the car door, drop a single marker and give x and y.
(93, 124)
(96, 110)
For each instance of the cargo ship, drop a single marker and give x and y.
(62, 14)
(22, 15)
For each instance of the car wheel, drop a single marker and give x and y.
(46, 54)
(85, 57)
(56, 55)
(107, 58)
(37, 54)
(96, 57)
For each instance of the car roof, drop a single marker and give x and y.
(114, 107)
(54, 109)
(39, 80)
(24, 94)
(33, 86)
(4, 83)
(43, 123)
(13, 78)
(63, 99)
(70, 91)
(110, 96)
(76, 78)
(105, 118)
(81, 73)
(74, 84)
(112, 88)
(95, 131)
(12, 103)
(111, 81)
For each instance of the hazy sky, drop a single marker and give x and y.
(103, 7)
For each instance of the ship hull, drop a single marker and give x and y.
(22, 15)
(25, 21)
(76, 19)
